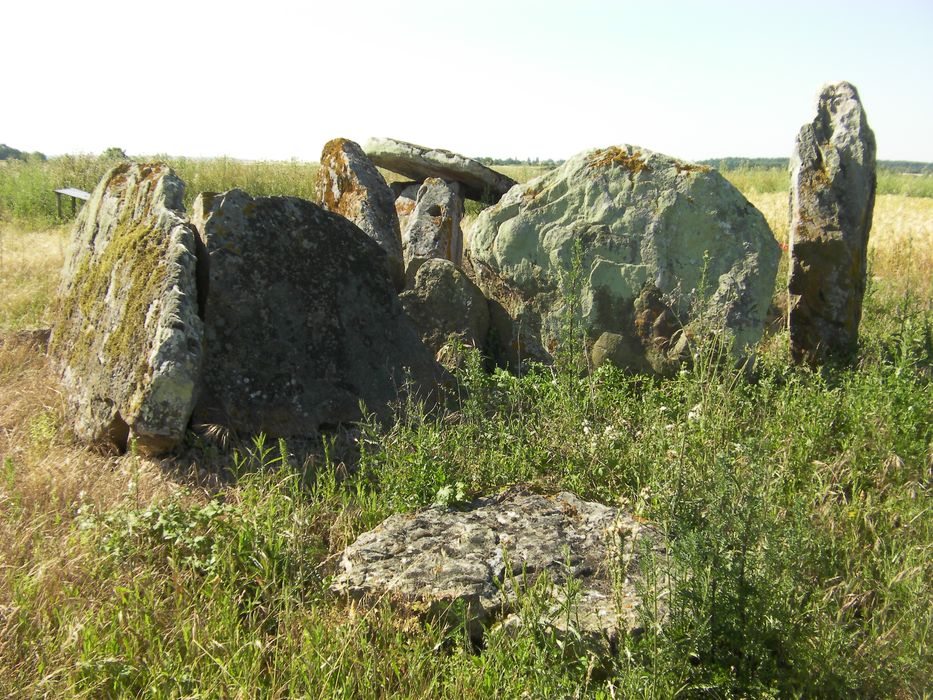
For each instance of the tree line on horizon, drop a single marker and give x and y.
(728, 163)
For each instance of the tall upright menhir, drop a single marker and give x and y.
(832, 195)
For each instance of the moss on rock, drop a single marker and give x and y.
(126, 318)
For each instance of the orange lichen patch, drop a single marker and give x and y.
(530, 194)
(608, 157)
(337, 188)
(404, 206)
(691, 168)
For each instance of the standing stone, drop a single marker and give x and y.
(640, 252)
(433, 229)
(350, 185)
(420, 162)
(444, 302)
(833, 183)
(302, 321)
(477, 559)
(406, 196)
(127, 333)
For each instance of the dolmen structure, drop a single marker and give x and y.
(284, 316)
(263, 314)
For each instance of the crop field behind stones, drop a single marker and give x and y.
(797, 504)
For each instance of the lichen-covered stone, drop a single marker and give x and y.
(127, 334)
(833, 182)
(302, 322)
(421, 162)
(406, 196)
(444, 302)
(350, 185)
(433, 229)
(641, 250)
(480, 557)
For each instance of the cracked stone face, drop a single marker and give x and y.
(648, 251)
(302, 321)
(481, 558)
(127, 335)
(350, 185)
(833, 183)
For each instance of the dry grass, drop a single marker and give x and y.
(29, 265)
(900, 245)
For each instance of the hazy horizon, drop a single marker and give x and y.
(517, 80)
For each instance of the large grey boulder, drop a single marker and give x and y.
(833, 182)
(480, 558)
(302, 323)
(421, 162)
(350, 185)
(433, 229)
(126, 334)
(444, 302)
(642, 252)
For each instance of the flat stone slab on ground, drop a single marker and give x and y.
(482, 556)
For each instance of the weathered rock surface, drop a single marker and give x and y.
(445, 302)
(127, 334)
(420, 162)
(406, 196)
(350, 185)
(635, 236)
(833, 182)
(484, 554)
(302, 321)
(433, 229)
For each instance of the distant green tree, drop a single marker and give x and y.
(114, 153)
(9, 153)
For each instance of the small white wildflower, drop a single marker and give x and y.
(694, 414)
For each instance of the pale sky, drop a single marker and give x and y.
(277, 79)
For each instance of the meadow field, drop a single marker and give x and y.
(795, 503)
